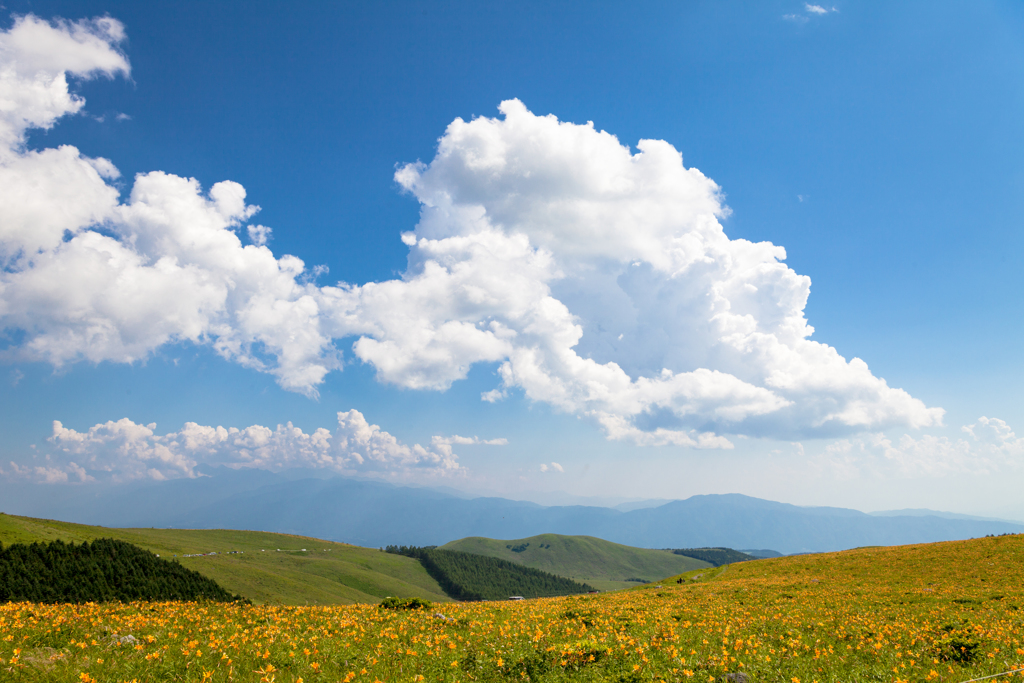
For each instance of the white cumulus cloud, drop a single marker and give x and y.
(259, 234)
(602, 282)
(124, 451)
(89, 278)
(595, 278)
(35, 60)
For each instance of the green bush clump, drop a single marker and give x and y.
(405, 603)
(956, 648)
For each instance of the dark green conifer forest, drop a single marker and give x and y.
(101, 571)
(715, 556)
(465, 576)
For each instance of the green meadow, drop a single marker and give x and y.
(935, 613)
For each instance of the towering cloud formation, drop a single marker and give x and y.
(596, 279)
(602, 282)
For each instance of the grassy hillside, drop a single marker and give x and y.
(602, 564)
(325, 573)
(938, 613)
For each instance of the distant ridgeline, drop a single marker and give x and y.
(104, 570)
(464, 576)
(714, 556)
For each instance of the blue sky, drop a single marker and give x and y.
(879, 145)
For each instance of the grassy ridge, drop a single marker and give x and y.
(326, 573)
(602, 564)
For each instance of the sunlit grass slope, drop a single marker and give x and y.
(325, 573)
(602, 564)
(941, 613)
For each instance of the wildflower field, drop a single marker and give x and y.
(941, 612)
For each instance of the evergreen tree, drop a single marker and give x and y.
(103, 570)
(465, 576)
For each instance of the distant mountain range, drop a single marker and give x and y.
(375, 514)
(922, 512)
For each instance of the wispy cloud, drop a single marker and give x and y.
(553, 467)
(443, 444)
(809, 11)
(988, 446)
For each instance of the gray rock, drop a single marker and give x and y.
(735, 677)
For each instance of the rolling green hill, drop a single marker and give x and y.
(264, 567)
(602, 564)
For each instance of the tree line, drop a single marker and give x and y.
(101, 571)
(714, 556)
(464, 576)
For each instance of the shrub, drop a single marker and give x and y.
(405, 603)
